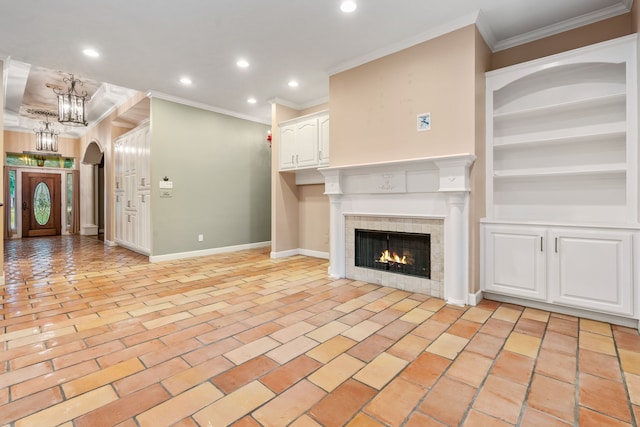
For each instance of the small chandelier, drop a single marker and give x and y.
(46, 138)
(71, 104)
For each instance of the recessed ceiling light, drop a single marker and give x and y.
(251, 100)
(242, 63)
(293, 83)
(348, 6)
(91, 52)
(185, 81)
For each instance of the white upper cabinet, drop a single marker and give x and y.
(287, 147)
(323, 140)
(301, 141)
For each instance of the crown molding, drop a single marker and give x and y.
(438, 31)
(285, 102)
(294, 106)
(624, 6)
(207, 107)
(485, 30)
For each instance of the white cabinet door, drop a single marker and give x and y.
(144, 220)
(130, 191)
(515, 261)
(306, 141)
(592, 269)
(119, 216)
(287, 147)
(130, 228)
(323, 140)
(143, 168)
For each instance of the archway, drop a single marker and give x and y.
(94, 157)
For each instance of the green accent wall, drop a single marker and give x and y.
(220, 167)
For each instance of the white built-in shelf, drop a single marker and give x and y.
(562, 181)
(605, 169)
(604, 102)
(562, 136)
(557, 126)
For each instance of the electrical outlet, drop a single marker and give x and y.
(200, 237)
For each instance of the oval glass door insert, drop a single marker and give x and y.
(42, 203)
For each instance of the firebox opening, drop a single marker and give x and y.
(402, 253)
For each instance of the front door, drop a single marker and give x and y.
(40, 204)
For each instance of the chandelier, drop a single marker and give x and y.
(46, 138)
(71, 104)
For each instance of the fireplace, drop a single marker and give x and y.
(395, 252)
(391, 274)
(426, 195)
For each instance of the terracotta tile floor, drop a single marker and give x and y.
(96, 336)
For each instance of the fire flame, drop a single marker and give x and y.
(391, 258)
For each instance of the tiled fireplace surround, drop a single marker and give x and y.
(426, 195)
(434, 227)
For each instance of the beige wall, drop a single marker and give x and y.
(314, 109)
(635, 17)
(17, 142)
(313, 218)
(284, 192)
(374, 107)
(589, 34)
(477, 204)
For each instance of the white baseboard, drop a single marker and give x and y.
(206, 252)
(314, 254)
(110, 243)
(284, 254)
(474, 299)
(299, 251)
(89, 230)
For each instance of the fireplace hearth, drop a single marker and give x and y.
(395, 252)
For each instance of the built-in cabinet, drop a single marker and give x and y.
(562, 180)
(133, 189)
(580, 267)
(304, 142)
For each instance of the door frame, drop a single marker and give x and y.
(28, 188)
(64, 230)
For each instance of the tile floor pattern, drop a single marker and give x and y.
(92, 335)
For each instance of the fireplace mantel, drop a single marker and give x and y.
(430, 187)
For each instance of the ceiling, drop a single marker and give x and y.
(148, 45)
